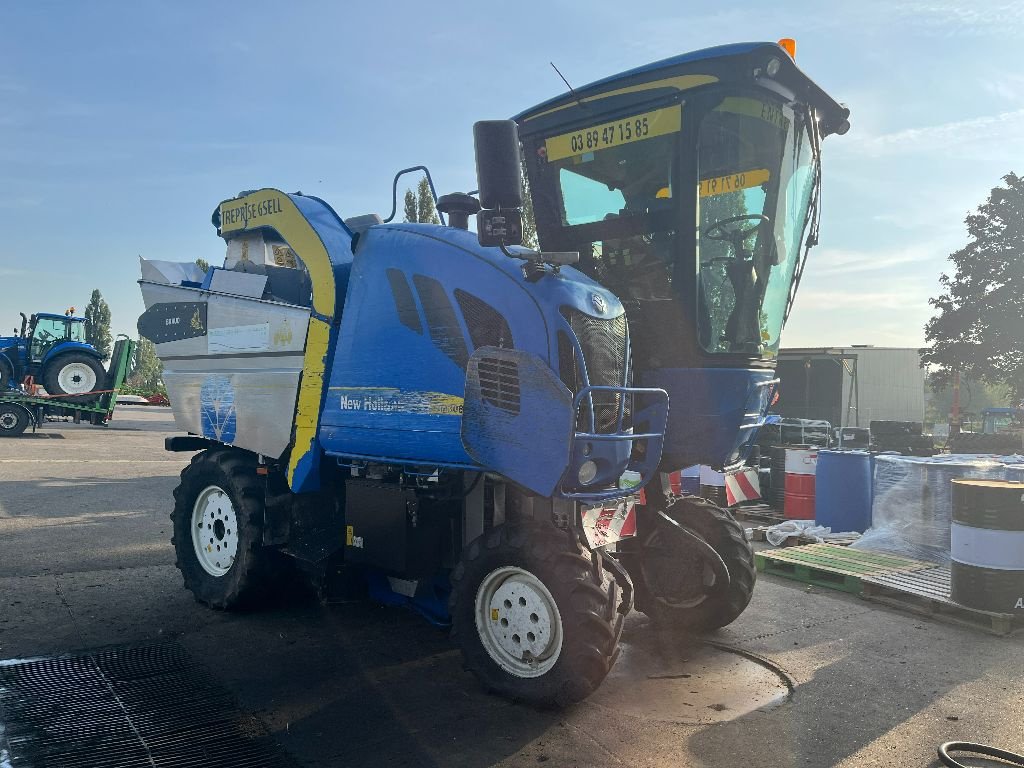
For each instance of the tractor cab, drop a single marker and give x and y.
(45, 331)
(689, 187)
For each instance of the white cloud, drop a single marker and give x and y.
(1005, 129)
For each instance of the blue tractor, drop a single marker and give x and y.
(465, 422)
(53, 350)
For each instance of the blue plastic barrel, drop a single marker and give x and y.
(843, 500)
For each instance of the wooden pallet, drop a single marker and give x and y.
(832, 566)
(927, 593)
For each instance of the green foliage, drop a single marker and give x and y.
(203, 264)
(419, 205)
(978, 327)
(145, 375)
(97, 324)
(529, 222)
(975, 396)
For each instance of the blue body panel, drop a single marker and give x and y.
(715, 412)
(395, 392)
(69, 346)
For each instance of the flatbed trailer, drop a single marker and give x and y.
(20, 410)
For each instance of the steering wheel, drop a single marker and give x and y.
(44, 336)
(717, 230)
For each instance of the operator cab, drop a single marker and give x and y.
(46, 331)
(689, 188)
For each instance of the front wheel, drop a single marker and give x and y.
(675, 584)
(534, 614)
(73, 374)
(218, 530)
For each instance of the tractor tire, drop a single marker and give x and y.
(74, 373)
(218, 531)
(6, 376)
(674, 585)
(535, 614)
(13, 420)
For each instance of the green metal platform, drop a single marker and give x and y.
(833, 566)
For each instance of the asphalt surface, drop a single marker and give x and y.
(85, 563)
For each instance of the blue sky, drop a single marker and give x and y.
(122, 125)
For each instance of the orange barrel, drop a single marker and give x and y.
(801, 464)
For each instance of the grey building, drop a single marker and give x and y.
(851, 386)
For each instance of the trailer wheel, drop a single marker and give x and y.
(218, 530)
(13, 420)
(74, 374)
(675, 585)
(534, 614)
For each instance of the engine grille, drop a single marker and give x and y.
(499, 383)
(604, 345)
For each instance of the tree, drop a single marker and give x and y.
(147, 372)
(419, 205)
(978, 327)
(529, 222)
(97, 323)
(203, 264)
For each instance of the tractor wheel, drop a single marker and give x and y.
(534, 614)
(218, 530)
(675, 585)
(13, 420)
(74, 374)
(6, 376)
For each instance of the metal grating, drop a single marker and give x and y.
(604, 351)
(152, 707)
(442, 323)
(487, 327)
(499, 383)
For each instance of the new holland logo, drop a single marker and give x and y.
(598, 301)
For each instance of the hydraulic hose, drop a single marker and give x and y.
(976, 749)
(714, 559)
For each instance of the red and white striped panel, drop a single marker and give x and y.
(610, 522)
(742, 485)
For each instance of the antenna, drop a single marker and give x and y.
(571, 89)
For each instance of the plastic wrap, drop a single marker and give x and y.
(912, 504)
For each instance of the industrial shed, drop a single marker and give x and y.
(851, 386)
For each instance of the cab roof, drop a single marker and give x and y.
(734, 63)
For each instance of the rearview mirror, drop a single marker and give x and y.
(498, 165)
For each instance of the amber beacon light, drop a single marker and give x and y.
(788, 44)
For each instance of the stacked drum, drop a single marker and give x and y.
(987, 545)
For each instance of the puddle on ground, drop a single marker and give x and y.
(672, 680)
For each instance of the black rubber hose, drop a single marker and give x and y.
(976, 749)
(718, 566)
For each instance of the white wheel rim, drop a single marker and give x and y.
(76, 378)
(518, 622)
(8, 420)
(214, 531)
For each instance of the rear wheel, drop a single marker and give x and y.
(675, 583)
(534, 614)
(13, 420)
(218, 530)
(73, 374)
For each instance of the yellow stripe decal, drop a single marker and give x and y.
(273, 208)
(628, 130)
(679, 83)
(733, 182)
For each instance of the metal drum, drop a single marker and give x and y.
(843, 490)
(801, 464)
(987, 545)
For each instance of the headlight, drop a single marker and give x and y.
(587, 473)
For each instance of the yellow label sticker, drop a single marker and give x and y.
(254, 210)
(494, 614)
(659, 122)
(770, 113)
(733, 182)
(349, 532)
